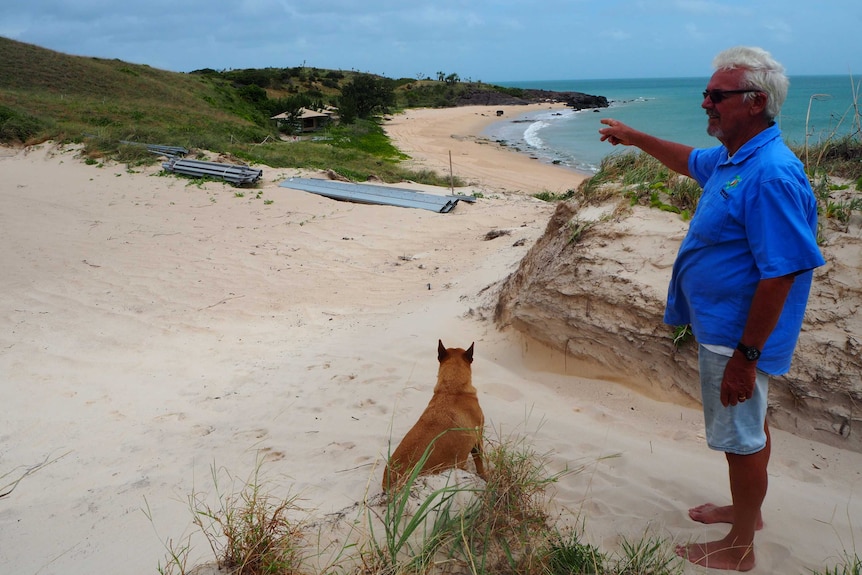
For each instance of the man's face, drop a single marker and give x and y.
(731, 116)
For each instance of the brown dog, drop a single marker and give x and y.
(453, 421)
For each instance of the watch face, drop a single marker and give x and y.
(750, 353)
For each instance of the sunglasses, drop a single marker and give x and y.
(716, 96)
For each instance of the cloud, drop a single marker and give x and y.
(616, 35)
(711, 8)
(693, 30)
(480, 38)
(780, 30)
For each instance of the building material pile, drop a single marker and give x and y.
(159, 149)
(236, 174)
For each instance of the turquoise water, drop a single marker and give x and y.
(668, 108)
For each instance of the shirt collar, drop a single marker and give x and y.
(752, 145)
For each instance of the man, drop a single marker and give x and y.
(741, 278)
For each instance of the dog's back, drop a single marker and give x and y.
(452, 421)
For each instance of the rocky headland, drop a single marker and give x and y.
(575, 100)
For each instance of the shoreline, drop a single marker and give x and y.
(431, 136)
(518, 134)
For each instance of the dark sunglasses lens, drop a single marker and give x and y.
(715, 96)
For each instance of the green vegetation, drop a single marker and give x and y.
(850, 565)
(46, 95)
(645, 181)
(501, 527)
(577, 228)
(682, 335)
(250, 532)
(555, 197)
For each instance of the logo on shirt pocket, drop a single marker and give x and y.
(729, 187)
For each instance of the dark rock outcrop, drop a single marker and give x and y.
(484, 97)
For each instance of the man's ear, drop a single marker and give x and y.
(757, 103)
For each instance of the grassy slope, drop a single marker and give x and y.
(49, 95)
(71, 97)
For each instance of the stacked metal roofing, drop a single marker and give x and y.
(371, 194)
(237, 174)
(159, 149)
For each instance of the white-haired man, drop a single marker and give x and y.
(741, 278)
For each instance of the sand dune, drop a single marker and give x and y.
(155, 329)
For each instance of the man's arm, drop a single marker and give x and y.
(673, 155)
(766, 306)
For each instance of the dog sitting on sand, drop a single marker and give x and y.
(452, 421)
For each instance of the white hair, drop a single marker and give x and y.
(762, 72)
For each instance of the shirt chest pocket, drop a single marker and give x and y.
(710, 219)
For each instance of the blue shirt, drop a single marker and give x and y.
(756, 219)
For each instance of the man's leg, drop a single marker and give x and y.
(748, 484)
(711, 513)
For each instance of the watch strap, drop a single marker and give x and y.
(751, 353)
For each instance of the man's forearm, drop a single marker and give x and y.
(766, 306)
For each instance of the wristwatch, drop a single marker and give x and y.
(750, 353)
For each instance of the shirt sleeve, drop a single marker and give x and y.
(781, 223)
(702, 163)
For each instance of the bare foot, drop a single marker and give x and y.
(711, 513)
(718, 555)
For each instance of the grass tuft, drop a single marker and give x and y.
(849, 565)
(566, 555)
(647, 556)
(251, 532)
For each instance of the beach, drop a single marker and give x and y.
(159, 331)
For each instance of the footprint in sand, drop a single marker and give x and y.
(269, 454)
(175, 416)
(339, 446)
(251, 434)
(371, 404)
(504, 392)
(203, 430)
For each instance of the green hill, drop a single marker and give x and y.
(46, 94)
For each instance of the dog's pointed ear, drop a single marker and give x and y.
(441, 351)
(468, 355)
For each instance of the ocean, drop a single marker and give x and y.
(665, 107)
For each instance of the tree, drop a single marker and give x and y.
(253, 94)
(365, 96)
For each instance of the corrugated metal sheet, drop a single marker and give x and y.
(160, 149)
(234, 173)
(371, 194)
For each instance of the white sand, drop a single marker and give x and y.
(153, 329)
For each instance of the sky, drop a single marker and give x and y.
(479, 40)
